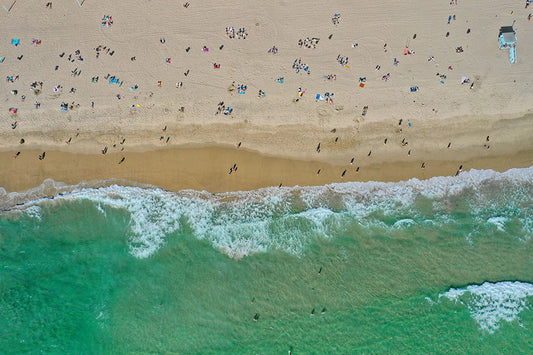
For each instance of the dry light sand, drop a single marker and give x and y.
(279, 133)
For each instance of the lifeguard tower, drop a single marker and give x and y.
(507, 40)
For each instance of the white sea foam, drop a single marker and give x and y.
(406, 222)
(468, 239)
(34, 212)
(152, 213)
(499, 222)
(243, 223)
(491, 303)
(101, 210)
(527, 228)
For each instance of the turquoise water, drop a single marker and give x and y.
(443, 265)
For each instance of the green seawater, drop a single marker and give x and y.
(129, 270)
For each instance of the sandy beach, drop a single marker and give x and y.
(184, 92)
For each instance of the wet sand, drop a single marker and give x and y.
(207, 169)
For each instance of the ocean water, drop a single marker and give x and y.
(434, 266)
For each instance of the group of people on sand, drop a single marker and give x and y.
(240, 33)
(299, 66)
(310, 43)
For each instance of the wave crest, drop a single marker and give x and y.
(490, 304)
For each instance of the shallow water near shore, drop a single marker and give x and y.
(427, 266)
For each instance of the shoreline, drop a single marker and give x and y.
(272, 158)
(206, 169)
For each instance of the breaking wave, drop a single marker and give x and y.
(289, 219)
(490, 304)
